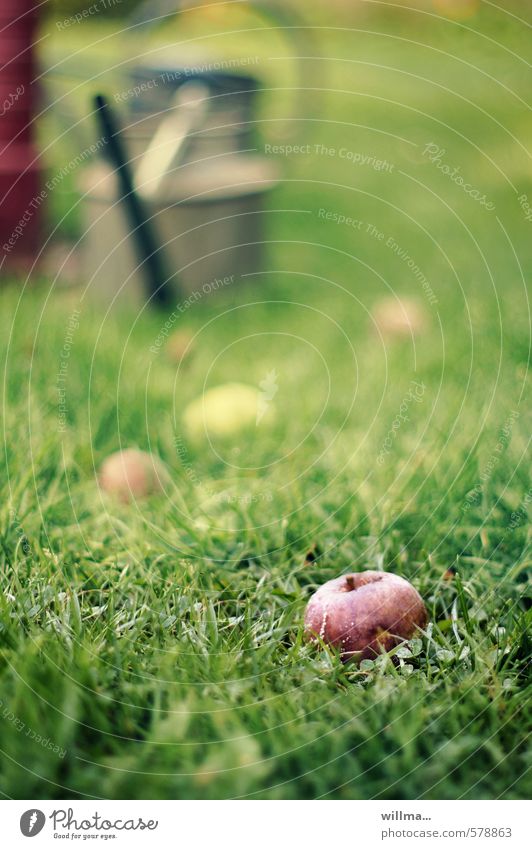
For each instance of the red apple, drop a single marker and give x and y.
(132, 474)
(365, 613)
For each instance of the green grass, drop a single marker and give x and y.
(158, 647)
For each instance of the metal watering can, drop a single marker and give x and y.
(187, 142)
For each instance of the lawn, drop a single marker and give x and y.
(155, 650)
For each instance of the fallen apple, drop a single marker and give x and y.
(132, 474)
(395, 318)
(179, 346)
(364, 613)
(223, 411)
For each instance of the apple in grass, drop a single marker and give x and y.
(225, 411)
(364, 614)
(132, 474)
(396, 318)
(180, 346)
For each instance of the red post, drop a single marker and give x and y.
(20, 187)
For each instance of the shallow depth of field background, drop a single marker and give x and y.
(155, 649)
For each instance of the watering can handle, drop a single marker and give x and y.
(150, 13)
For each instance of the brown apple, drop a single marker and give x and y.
(365, 613)
(132, 474)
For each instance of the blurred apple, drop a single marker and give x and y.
(224, 410)
(458, 10)
(132, 474)
(179, 346)
(399, 319)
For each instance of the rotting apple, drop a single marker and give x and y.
(132, 474)
(365, 613)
